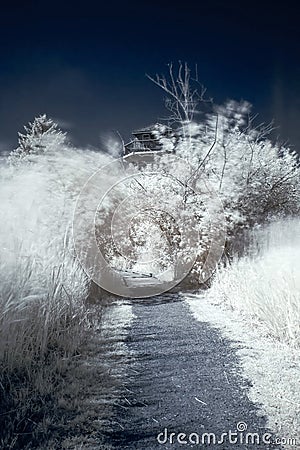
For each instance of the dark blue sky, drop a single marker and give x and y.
(85, 64)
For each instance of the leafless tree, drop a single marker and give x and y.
(184, 92)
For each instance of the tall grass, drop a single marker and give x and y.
(265, 285)
(44, 316)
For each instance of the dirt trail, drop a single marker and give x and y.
(182, 376)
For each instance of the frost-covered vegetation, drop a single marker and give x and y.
(231, 155)
(265, 285)
(44, 309)
(233, 162)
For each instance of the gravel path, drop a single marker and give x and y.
(182, 377)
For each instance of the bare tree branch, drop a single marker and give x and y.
(182, 100)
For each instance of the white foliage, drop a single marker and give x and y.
(42, 135)
(266, 285)
(255, 178)
(43, 287)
